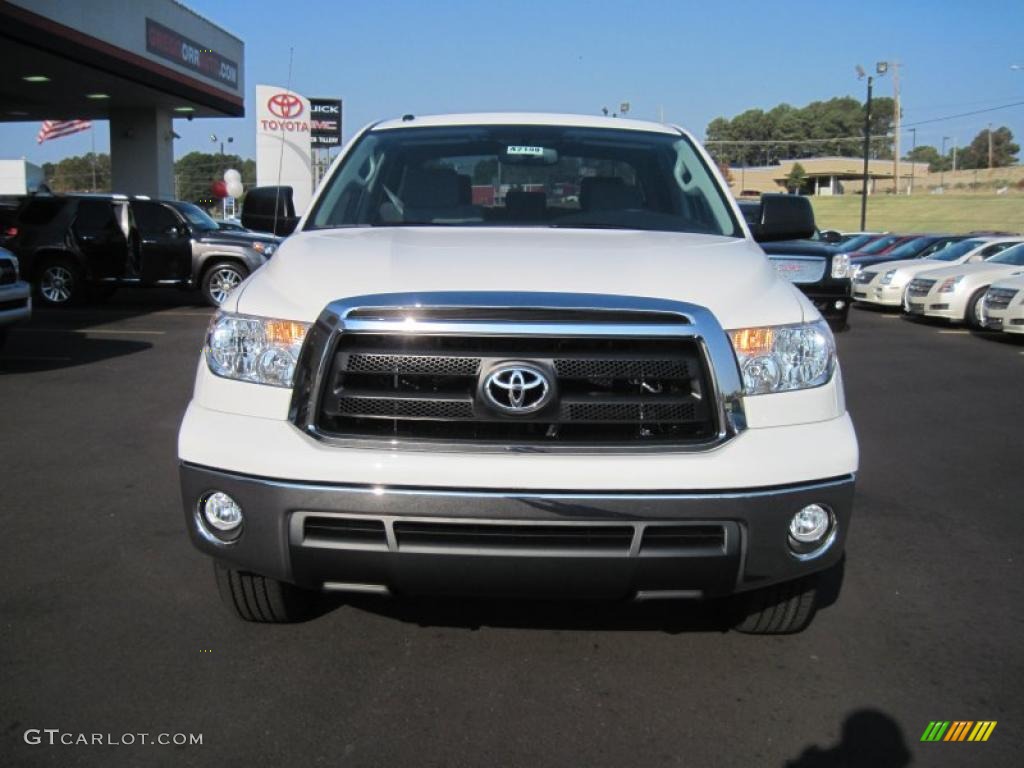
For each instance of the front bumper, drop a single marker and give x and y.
(831, 297)
(934, 305)
(881, 295)
(515, 543)
(15, 303)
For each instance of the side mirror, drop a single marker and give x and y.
(831, 236)
(269, 209)
(784, 217)
(174, 230)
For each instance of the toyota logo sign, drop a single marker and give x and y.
(517, 389)
(285, 105)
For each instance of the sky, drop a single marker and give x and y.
(693, 60)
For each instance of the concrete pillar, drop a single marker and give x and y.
(142, 152)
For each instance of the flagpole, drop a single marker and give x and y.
(92, 141)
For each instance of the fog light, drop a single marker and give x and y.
(840, 304)
(221, 512)
(810, 524)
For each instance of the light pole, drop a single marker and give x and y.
(881, 68)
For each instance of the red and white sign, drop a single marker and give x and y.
(283, 142)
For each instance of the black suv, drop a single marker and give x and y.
(80, 246)
(818, 269)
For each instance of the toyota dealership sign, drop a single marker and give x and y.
(283, 142)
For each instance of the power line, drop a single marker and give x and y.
(965, 114)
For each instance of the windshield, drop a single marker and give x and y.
(855, 242)
(196, 216)
(547, 176)
(956, 250)
(909, 248)
(1013, 256)
(879, 245)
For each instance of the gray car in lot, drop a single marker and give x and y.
(15, 294)
(76, 247)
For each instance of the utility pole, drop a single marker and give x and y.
(913, 161)
(955, 140)
(990, 146)
(942, 165)
(867, 151)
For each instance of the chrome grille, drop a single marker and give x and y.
(8, 274)
(800, 269)
(999, 298)
(920, 287)
(609, 390)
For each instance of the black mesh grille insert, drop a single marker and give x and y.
(675, 538)
(518, 538)
(604, 390)
(343, 531)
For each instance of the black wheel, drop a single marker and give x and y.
(252, 597)
(220, 279)
(781, 609)
(60, 283)
(972, 315)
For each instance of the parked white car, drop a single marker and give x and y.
(955, 293)
(15, 294)
(886, 284)
(432, 388)
(1003, 307)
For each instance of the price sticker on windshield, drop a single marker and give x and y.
(525, 151)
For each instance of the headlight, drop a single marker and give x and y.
(887, 277)
(854, 269)
(784, 358)
(949, 284)
(264, 249)
(260, 350)
(841, 265)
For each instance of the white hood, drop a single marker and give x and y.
(980, 269)
(730, 277)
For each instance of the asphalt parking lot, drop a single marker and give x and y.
(111, 622)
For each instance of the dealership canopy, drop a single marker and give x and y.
(137, 64)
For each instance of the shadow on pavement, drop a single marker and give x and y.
(670, 616)
(870, 739)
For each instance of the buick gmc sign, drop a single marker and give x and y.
(325, 122)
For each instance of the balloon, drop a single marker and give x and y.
(219, 188)
(232, 175)
(235, 187)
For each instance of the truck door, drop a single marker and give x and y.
(166, 247)
(99, 239)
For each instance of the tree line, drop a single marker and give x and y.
(836, 128)
(193, 173)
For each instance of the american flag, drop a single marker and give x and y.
(55, 129)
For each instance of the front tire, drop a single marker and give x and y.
(260, 599)
(972, 316)
(60, 283)
(220, 279)
(781, 609)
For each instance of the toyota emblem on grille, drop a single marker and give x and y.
(517, 388)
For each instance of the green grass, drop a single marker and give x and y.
(923, 213)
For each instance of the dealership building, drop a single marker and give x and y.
(138, 64)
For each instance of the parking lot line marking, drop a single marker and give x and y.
(14, 358)
(90, 330)
(114, 331)
(955, 333)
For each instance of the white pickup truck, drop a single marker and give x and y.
(521, 355)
